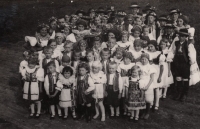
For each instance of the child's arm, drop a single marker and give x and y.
(150, 81)
(160, 74)
(91, 85)
(169, 69)
(46, 84)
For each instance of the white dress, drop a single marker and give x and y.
(136, 55)
(118, 61)
(124, 45)
(31, 86)
(66, 86)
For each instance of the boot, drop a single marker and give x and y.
(184, 91)
(179, 90)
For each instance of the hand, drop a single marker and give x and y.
(159, 80)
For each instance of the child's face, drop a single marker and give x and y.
(31, 66)
(162, 23)
(74, 20)
(163, 45)
(127, 61)
(65, 63)
(112, 68)
(120, 19)
(144, 45)
(52, 69)
(97, 44)
(138, 21)
(26, 57)
(124, 38)
(130, 21)
(137, 48)
(97, 21)
(82, 71)
(61, 22)
(77, 56)
(35, 55)
(182, 38)
(105, 55)
(53, 45)
(146, 31)
(49, 53)
(179, 22)
(104, 20)
(119, 54)
(111, 35)
(134, 11)
(175, 16)
(83, 47)
(68, 48)
(111, 43)
(135, 74)
(66, 31)
(53, 25)
(136, 34)
(144, 61)
(151, 48)
(59, 40)
(81, 27)
(95, 69)
(80, 15)
(67, 74)
(67, 17)
(43, 32)
(151, 19)
(90, 57)
(169, 30)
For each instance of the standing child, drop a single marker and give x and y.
(114, 89)
(66, 61)
(111, 45)
(85, 88)
(82, 46)
(76, 59)
(33, 77)
(137, 51)
(52, 90)
(99, 80)
(124, 43)
(66, 84)
(123, 70)
(146, 82)
(105, 55)
(68, 49)
(135, 98)
(97, 48)
(90, 57)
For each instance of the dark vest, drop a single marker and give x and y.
(184, 52)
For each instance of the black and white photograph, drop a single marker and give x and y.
(99, 64)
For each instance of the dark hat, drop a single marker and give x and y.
(100, 10)
(170, 26)
(121, 13)
(80, 11)
(152, 14)
(184, 18)
(183, 32)
(134, 5)
(149, 8)
(163, 18)
(174, 10)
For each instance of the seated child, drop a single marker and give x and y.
(52, 90)
(114, 89)
(66, 84)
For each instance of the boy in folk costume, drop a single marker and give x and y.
(184, 58)
(105, 55)
(114, 89)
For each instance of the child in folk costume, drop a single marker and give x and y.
(137, 51)
(123, 70)
(48, 52)
(59, 40)
(52, 90)
(85, 87)
(90, 57)
(82, 46)
(97, 48)
(165, 59)
(118, 57)
(136, 32)
(114, 89)
(111, 45)
(105, 55)
(66, 62)
(68, 49)
(155, 62)
(66, 84)
(124, 43)
(76, 59)
(135, 98)
(146, 82)
(33, 77)
(99, 80)
(145, 32)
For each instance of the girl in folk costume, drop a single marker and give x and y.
(135, 98)
(66, 61)
(124, 43)
(105, 56)
(114, 89)
(118, 58)
(90, 57)
(66, 83)
(147, 82)
(59, 41)
(68, 34)
(184, 62)
(33, 77)
(99, 80)
(76, 59)
(52, 90)
(52, 27)
(123, 71)
(48, 52)
(24, 63)
(85, 87)
(154, 61)
(137, 51)
(165, 59)
(97, 48)
(40, 40)
(135, 35)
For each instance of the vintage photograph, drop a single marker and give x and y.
(99, 64)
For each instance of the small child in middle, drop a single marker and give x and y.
(99, 80)
(114, 89)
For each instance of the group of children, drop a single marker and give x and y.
(108, 58)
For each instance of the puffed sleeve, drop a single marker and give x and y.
(31, 40)
(91, 85)
(192, 53)
(23, 73)
(59, 85)
(120, 84)
(71, 38)
(170, 57)
(46, 84)
(40, 74)
(152, 70)
(191, 32)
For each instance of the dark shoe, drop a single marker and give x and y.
(112, 117)
(37, 115)
(65, 117)
(31, 115)
(60, 116)
(74, 117)
(52, 117)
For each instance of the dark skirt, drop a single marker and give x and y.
(112, 98)
(55, 100)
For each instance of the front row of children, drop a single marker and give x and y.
(78, 88)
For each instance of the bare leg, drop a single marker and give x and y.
(52, 107)
(96, 110)
(32, 109)
(111, 110)
(38, 107)
(59, 110)
(137, 114)
(117, 111)
(102, 110)
(157, 98)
